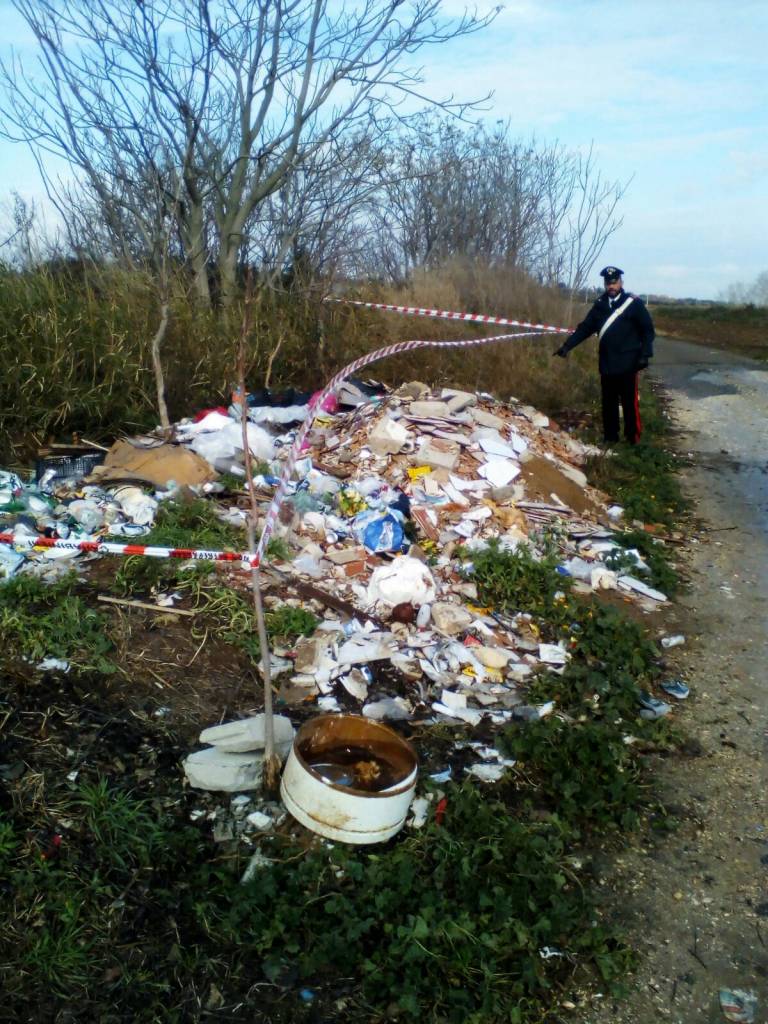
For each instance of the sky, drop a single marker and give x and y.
(673, 97)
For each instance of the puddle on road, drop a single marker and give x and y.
(709, 385)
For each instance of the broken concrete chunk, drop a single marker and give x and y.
(361, 649)
(469, 715)
(450, 619)
(342, 556)
(501, 495)
(439, 454)
(538, 419)
(487, 419)
(429, 410)
(309, 653)
(499, 472)
(632, 584)
(260, 821)
(387, 437)
(453, 700)
(572, 473)
(356, 684)
(553, 654)
(222, 772)
(458, 401)
(492, 657)
(602, 579)
(247, 734)
(413, 389)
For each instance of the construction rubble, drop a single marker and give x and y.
(393, 494)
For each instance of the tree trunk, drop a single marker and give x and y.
(157, 366)
(228, 254)
(197, 254)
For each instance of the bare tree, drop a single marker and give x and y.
(20, 244)
(447, 192)
(741, 294)
(234, 96)
(589, 204)
(315, 225)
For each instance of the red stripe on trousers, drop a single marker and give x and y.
(638, 422)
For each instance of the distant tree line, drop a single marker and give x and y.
(755, 294)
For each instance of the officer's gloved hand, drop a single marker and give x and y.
(642, 363)
(563, 353)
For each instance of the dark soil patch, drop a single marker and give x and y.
(543, 479)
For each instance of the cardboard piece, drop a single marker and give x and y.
(158, 465)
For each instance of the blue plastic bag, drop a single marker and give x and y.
(380, 531)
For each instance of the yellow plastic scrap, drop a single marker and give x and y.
(416, 472)
(351, 503)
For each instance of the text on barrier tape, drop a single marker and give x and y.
(100, 547)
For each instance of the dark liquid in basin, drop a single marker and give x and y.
(356, 767)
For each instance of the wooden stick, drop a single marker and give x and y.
(271, 777)
(170, 610)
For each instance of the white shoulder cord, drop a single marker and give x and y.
(614, 315)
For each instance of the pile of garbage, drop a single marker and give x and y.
(379, 471)
(394, 493)
(410, 473)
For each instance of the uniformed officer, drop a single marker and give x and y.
(625, 329)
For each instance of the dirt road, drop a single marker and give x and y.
(695, 903)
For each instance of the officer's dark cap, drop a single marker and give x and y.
(611, 274)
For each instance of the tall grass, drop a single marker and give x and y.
(74, 343)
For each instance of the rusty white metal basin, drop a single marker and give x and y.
(350, 779)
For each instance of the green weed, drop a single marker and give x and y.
(59, 954)
(445, 924)
(8, 843)
(231, 611)
(583, 772)
(289, 623)
(514, 581)
(140, 575)
(277, 550)
(193, 524)
(41, 620)
(118, 824)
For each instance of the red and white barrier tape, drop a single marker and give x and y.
(108, 548)
(245, 558)
(446, 314)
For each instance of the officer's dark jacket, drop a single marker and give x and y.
(627, 340)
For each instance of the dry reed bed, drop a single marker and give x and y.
(75, 348)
